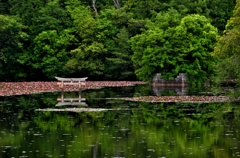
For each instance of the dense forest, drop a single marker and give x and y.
(119, 39)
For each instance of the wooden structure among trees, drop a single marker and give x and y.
(178, 84)
(71, 81)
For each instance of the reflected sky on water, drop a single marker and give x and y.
(124, 129)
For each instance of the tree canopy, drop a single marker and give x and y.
(174, 45)
(12, 36)
(228, 48)
(107, 39)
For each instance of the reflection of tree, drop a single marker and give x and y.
(156, 129)
(169, 90)
(182, 133)
(49, 121)
(142, 90)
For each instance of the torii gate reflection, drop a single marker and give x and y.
(71, 101)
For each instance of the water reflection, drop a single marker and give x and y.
(71, 101)
(144, 130)
(159, 90)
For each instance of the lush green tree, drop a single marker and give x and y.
(52, 16)
(170, 47)
(41, 15)
(228, 48)
(120, 64)
(86, 58)
(220, 11)
(102, 30)
(190, 6)
(118, 58)
(28, 11)
(153, 49)
(11, 38)
(50, 53)
(145, 9)
(49, 39)
(94, 37)
(195, 39)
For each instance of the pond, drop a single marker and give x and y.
(99, 123)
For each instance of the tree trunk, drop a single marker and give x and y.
(117, 3)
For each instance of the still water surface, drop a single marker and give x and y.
(127, 129)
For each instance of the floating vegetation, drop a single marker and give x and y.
(187, 99)
(79, 109)
(74, 109)
(20, 88)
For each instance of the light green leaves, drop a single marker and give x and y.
(228, 48)
(196, 39)
(172, 46)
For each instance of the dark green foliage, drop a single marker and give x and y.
(48, 38)
(120, 64)
(153, 49)
(227, 49)
(143, 9)
(88, 58)
(52, 17)
(50, 52)
(79, 38)
(28, 11)
(4, 7)
(11, 44)
(220, 11)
